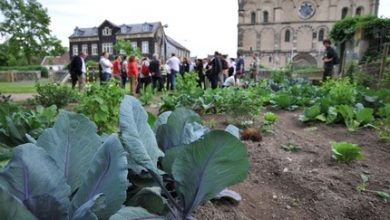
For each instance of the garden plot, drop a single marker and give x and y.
(307, 184)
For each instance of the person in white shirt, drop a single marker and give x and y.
(106, 66)
(174, 66)
(233, 80)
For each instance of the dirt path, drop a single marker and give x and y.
(308, 184)
(20, 96)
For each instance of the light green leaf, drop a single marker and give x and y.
(12, 208)
(365, 115)
(134, 213)
(137, 136)
(151, 119)
(346, 152)
(88, 209)
(72, 143)
(107, 175)
(207, 166)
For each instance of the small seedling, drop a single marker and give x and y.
(269, 120)
(346, 152)
(290, 147)
(362, 187)
(212, 124)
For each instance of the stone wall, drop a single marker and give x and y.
(17, 76)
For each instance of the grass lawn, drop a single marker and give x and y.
(19, 87)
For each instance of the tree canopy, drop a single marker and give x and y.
(26, 32)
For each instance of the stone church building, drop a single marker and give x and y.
(284, 30)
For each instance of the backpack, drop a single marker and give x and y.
(144, 69)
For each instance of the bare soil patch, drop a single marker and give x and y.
(307, 184)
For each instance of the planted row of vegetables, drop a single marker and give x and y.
(336, 101)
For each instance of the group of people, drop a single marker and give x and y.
(219, 71)
(216, 72)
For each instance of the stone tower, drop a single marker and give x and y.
(284, 30)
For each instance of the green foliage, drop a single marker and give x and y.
(355, 117)
(345, 29)
(289, 147)
(42, 69)
(188, 85)
(240, 104)
(269, 120)
(126, 46)
(284, 100)
(341, 91)
(146, 95)
(346, 152)
(17, 121)
(278, 76)
(26, 26)
(55, 94)
(101, 104)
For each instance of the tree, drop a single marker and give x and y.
(125, 45)
(26, 26)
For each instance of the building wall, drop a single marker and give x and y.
(304, 46)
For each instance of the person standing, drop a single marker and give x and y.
(144, 78)
(255, 67)
(201, 76)
(174, 66)
(78, 70)
(232, 67)
(124, 71)
(330, 59)
(132, 73)
(106, 66)
(154, 68)
(184, 67)
(116, 68)
(216, 70)
(240, 64)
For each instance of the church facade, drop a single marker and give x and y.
(280, 31)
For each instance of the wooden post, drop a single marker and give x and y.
(386, 51)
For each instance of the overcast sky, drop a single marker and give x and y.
(202, 26)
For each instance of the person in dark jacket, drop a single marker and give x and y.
(78, 70)
(328, 59)
(200, 70)
(154, 69)
(184, 66)
(216, 69)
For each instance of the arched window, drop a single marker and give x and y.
(287, 36)
(265, 16)
(344, 12)
(321, 34)
(359, 11)
(253, 18)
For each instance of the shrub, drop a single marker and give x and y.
(55, 94)
(101, 104)
(346, 152)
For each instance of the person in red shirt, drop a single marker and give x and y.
(116, 68)
(132, 73)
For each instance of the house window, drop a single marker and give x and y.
(94, 49)
(145, 46)
(359, 11)
(75, 49)
(84, 48)
(321, 34)
(134, 45)
(107, 47)
(287, 36)
(344, 12)
(146, 27)
(265, 16)
(123, 29)
(107, 31)
(253, 18)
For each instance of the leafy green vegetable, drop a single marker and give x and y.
(346, 152)
(270, 117)
(284, 100)
(134, 213)
(310, 114)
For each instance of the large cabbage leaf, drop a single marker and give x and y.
(183, 127)
(12, 208)
(134, 213)
(205, 167)
(72, 143)
(107, 175)
(88, 209)
(137, 136)
(32, 176)
(149, 198)
(162, 119)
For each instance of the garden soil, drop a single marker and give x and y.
(307, 184)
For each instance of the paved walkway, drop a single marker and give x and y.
(21, 96)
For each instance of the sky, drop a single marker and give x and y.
(202, 26)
